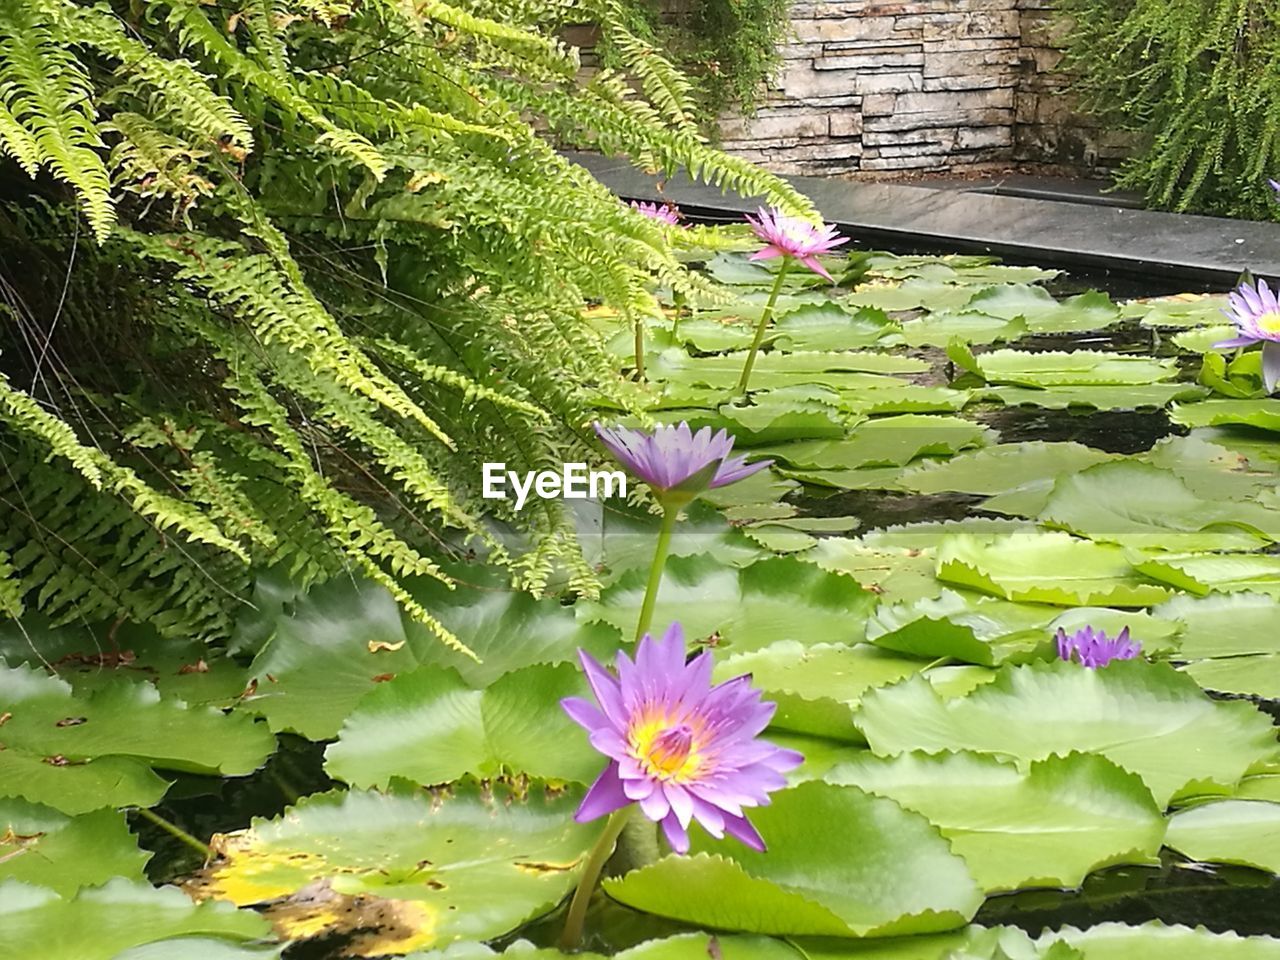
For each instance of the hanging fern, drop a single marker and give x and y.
(1197, 80)
(278, 277)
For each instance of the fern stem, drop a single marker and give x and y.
(762, 326)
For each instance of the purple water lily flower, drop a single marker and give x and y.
(674, 459)
(1093, 648)
(1275, 185)
(664, 213)
(683, 749)
(1256, 314)
(794, 237)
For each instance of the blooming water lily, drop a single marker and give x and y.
(663, 213)
(1093, 648)
(677, 464)
(791, 238)
(676, 746)
(1256, 314)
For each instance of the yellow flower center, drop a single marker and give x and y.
(1269, 322)
(669, 750)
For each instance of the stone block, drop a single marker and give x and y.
(905, 58)
(873, 83)
(792, 124)
(846, 123)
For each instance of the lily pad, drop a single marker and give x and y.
(884, 872)
(1042, 313)
(41, 846)
(399, 872)
(100, 923)
(1059, 369)
(1204, 573)
(345, 637)
(1048, 825)
(1046, 568)
(939, 329)
(1143, 506)
(1263, 414)
(887, 441)
(1026, 470)
(816, 686)
(1254, 676)
(931, 295)
(893, 573)
(1223, 626)
(830, 327)
(430, 727)
(1131, 397)
(1148, 718)
(46, 723)
(1155, 941)
(777, 599)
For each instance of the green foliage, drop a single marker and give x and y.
(729, 48)
(277, 279)
(1196, 79)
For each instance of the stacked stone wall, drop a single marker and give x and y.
(926, 86)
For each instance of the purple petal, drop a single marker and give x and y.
(741, 828)
(1235, 342)
(677, 835)
(813, 264)
(1271, 365)
(604, 797)
(584, 714)
(608, 694)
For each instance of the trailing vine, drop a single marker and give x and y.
(1200, 81)
(277, 278)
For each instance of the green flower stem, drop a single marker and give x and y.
(763, 325)
(596, 860)
(175, 831)
(670, 512)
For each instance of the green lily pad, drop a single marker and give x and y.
(1143, 506)
(1263, 414)
(816, 686)
(1057, 369)
(829, 326)
(400, 872)
(913, 294)
(1155, 941)
(777, 599)
(887, 441)
(893, 573)
(884, 872)
(1223, 626)
(899, 397)
(940, 329)
(1132, 397)
(1042, 313)
(1048, 825)
(100, 923)
(1204, 573)
(430, 727)
(1183, 310)
(1046, 568)
(48, 724)
(41, 846)
(89, 660)
(1148, 718)
(345, 637)
(614, 539)
(1024, 470)
(1254, 676)
(199, 948)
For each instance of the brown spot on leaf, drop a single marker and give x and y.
(198, 667)
(384, 677)
(71, 721)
